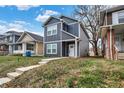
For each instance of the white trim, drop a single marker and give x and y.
(61, 36)
(79, 36)
(52, 24)
(112, 25)
(75, 48)
(51, 48)
(73, 23)
(56, 26)
(25, 33)
(31, 37)
(69, 34)
(69, 40)
(49, 19)
(20, 36)
(60, 41)
(53, 41)
(43, 46)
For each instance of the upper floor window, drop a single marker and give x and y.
(10, 38)
(121, 17)
(118, 17)
(52, 30)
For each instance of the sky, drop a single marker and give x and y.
(29, 17)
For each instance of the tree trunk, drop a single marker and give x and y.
(95, 49)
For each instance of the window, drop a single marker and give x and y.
(52, 30)
(51, 48)
(10, 38)
(30, 47)
(121, 17)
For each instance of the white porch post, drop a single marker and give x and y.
(76, 48)
(24, 48)
(36, 48)
(10, 49)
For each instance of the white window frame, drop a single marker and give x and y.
(10, 38)
(120, 16)
(51, 30)
(51, 48)
(116, 16)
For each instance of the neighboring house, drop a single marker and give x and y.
(112, 32)
(19, 42)
(8, 41)
(30, 42)
(64, 36)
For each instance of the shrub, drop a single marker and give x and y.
(90, 81)
(70, 82)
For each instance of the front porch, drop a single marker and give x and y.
(4, 49)
(22, 48)
(70, 48)
(113, 42)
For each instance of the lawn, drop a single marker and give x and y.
(10, 63)
(70, 72)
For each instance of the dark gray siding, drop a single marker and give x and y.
(84, 44)
(53, 37)
(16, 38)
(53, 20)
(66, 36)
(74, 29)
(58, 50)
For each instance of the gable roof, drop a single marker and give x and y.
(61, 17)
(35, 37)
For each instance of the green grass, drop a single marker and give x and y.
(81, 72)
(10, 63)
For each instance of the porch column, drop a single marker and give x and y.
(10, 49)
(36, 48)
(111, 43)
(24, 48)
(76, 48)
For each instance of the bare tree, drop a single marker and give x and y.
(89, 15)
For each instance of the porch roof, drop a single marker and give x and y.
(116, 27)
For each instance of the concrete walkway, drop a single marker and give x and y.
(19, 71)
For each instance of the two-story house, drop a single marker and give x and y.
(64, 36)
(8, 42)
(112, 32)
(13, 42)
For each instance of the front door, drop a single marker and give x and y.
(118, 41)
(71, 50)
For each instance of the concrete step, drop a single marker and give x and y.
(23, 69)
(4, 80)
(13, 75)
(120, 55)
(43, 62)
(49, 59)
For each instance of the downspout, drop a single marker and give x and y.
(106, 23)
(61, 35)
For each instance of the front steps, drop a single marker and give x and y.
(4, 80)
(19, 71)
(121, 55)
